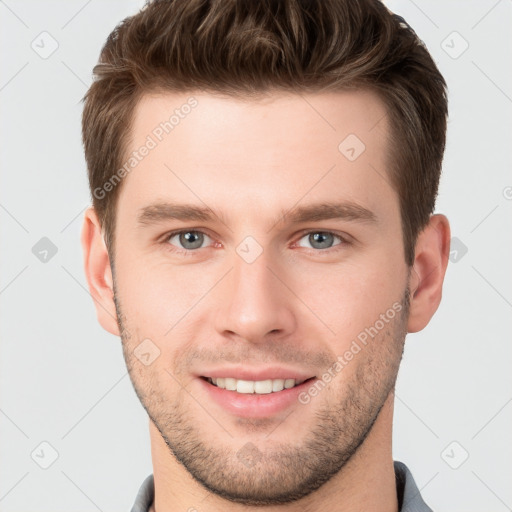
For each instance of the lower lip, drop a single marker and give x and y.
(252, 405)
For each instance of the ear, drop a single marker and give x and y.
(426, 280)
(98, 272)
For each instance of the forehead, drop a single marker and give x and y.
(324, 116)
(251, 153)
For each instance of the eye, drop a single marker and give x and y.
(187, 240)
(321, 239)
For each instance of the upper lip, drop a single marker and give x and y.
(246, 373)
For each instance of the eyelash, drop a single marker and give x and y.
(302, 234)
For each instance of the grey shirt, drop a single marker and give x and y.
(409, 497)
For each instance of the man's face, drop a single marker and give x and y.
(258, 293)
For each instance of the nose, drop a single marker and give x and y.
(254, 303)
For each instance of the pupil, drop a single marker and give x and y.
(192, 238)
(322, 239)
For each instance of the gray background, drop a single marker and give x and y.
(63, 380)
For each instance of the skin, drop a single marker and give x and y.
(297, 304)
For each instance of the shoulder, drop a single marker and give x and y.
(145, 496)
(409, 496)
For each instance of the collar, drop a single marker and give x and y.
(409, 497)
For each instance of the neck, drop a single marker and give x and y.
(366, 482)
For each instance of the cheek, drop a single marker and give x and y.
(350, 297)
(153, 300)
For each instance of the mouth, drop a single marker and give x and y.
(257, 387)
(255, 393)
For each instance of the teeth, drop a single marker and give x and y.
(289, 383)
(263, 386)
(230, 384)
(244, 386)
(260, 387)
(278, 385)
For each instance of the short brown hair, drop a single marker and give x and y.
(246, 47)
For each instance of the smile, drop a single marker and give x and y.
(260, 387)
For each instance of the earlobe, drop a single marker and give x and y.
(427, 275)
(98, 272)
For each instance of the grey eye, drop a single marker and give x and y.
(189, 240)
(320, 239)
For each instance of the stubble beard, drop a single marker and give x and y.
(277, 473)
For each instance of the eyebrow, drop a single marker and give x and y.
(350, 211)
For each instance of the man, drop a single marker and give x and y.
(262, 238)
